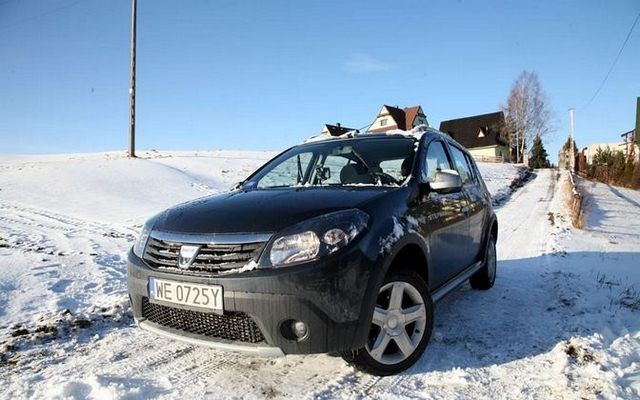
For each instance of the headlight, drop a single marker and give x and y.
(317, 237)
(296, 247)
(141, 242)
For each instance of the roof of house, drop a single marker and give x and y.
(476, 131)
(631, 132)
(410, 113)
(335, 130)
(398, 116)
(403, 118)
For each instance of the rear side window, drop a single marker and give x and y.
(437, 160)
(474, 168)
(462, 165)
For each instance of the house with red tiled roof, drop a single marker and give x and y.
(390, 118)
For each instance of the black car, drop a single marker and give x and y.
(338, 246)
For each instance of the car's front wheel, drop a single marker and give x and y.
(400, 328)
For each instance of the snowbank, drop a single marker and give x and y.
(112, 188)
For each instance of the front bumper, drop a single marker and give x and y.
(220, 344)
(333, 297)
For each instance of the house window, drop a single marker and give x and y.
(383, 122)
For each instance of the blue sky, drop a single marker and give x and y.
(267, 74)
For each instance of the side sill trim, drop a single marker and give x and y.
(256, 350)
(456, 281)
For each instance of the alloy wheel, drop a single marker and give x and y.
(398, 324)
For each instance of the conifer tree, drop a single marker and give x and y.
(539, 157)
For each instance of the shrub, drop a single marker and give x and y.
(611, 166)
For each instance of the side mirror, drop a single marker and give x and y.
(446, 181)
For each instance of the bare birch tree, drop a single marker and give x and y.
(527, 113)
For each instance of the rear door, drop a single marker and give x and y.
(441, 220)
(479, 203)
(475, 211)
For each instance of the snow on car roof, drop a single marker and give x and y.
(415, 133)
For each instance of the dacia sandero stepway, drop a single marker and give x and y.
(337, 246)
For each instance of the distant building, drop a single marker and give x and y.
(590, 150)
(335, 130)
(631, 144)
(390, 118)
(482, 135)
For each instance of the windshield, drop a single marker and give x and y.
(382, 162)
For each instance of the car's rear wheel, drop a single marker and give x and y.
(400, 328)
(486, 276)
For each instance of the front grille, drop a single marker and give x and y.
(211, 259)
(234, 326)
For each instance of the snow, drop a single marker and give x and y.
(563, 320)
(111, 187)
(499, 178)
(416, 133)
(250, 266)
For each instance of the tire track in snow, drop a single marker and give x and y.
(39, 218)
(87, 257)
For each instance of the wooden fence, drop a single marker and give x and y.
(489, 159)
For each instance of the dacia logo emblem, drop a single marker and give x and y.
(187, 255)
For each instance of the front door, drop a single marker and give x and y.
(475, 193)
(442, 221)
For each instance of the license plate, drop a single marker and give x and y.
(188, 294)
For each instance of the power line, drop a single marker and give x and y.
(614, 62)
(49, 12)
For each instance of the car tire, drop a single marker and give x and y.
(486, 276)
(396, 342)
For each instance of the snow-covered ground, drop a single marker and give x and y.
(563, 320)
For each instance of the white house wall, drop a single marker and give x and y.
(377, 124)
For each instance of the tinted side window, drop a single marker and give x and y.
(474, 169)
(462, 165)
(437, 160)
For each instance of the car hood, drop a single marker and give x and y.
(260, 210)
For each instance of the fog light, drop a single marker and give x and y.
(299, 329)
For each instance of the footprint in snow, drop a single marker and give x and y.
(60, 286)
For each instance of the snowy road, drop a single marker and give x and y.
(560, 322)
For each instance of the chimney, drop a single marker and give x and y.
(338, 125)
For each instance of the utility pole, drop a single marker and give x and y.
(572, 156)
(132, 84)
(637, 132)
